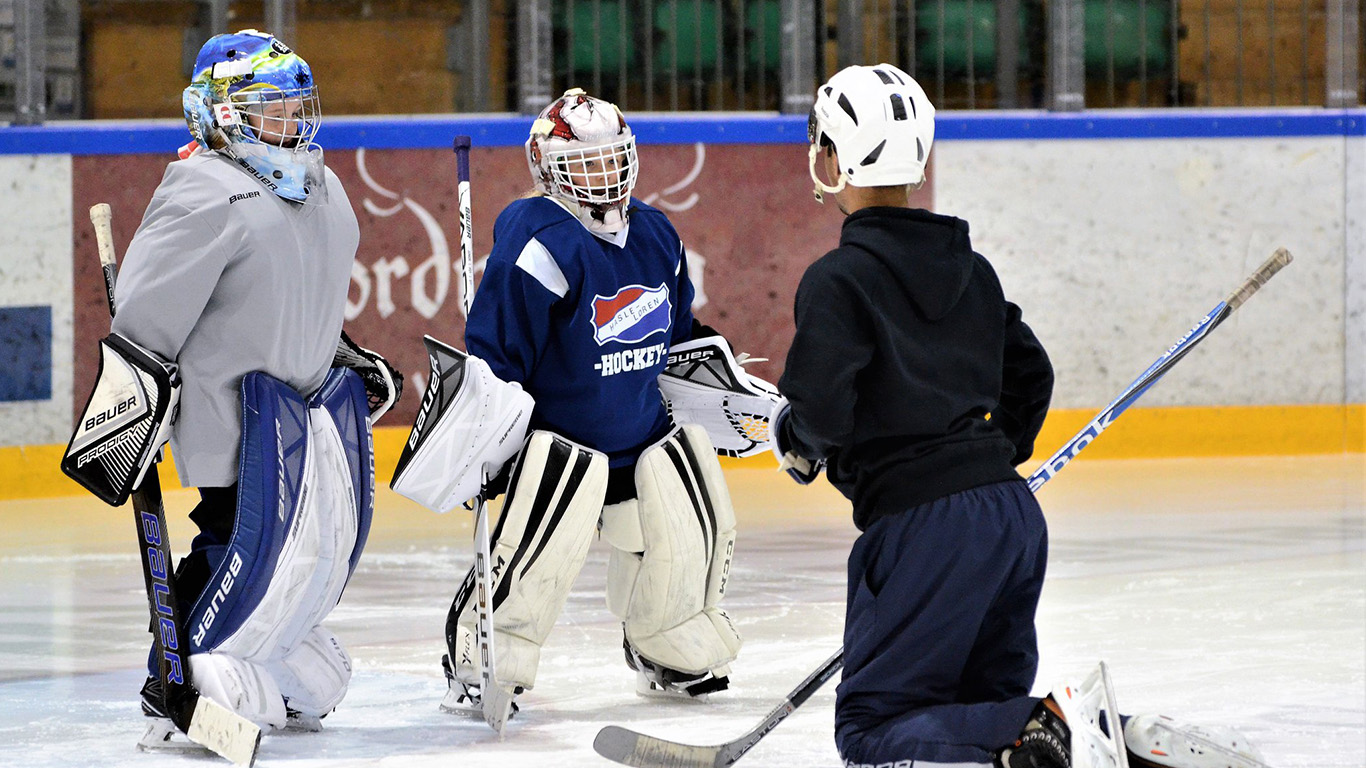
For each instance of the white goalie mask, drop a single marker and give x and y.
(582, 152)
(881, 124)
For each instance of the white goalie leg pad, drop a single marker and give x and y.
(549, 517)
(671, 556)
(314, 676)
(242, 686)
(1159, 740)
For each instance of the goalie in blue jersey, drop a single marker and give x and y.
(583, 299)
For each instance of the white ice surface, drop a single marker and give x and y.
(1226, 592)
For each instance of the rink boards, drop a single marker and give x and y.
(1115, 231)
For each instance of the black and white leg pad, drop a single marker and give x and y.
(305, 495)
(672, 548)
(549, 517)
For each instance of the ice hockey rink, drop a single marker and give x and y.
(1223, 591)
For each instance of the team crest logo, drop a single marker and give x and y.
(633, 314)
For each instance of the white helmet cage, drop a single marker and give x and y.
(581, 151)
(881, 124)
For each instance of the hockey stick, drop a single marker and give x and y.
(1159, 368)
(495, 702)
(203, 720)
(629, 747)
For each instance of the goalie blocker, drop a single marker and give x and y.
(470, 424)
(125, 422)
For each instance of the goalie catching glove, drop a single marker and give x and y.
(705, 384)
(383, 382)
(125, 422)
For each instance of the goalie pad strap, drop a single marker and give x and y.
(538, 548)
(125, 422)
(304, 507)
(668, 591)
(470, 424)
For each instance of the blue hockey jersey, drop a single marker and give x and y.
(584, 323)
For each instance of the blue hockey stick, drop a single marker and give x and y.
(1159, 368)
(629, 747)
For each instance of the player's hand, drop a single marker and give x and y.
(798, 467)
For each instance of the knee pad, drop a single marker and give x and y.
(549, 517)
(672, 548)
(305, 495)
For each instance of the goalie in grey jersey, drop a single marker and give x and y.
(237, 277)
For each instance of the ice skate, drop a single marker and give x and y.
(463, 697)
(1158, 741)
(1090, 712)
(653, 680)
(1045, 742)
(161, 735)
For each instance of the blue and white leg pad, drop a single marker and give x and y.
(305, 498)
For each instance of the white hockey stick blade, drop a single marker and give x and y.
(1160, 739)
(224, 732)
(497, 707)
(627, 747)
(1090, 711)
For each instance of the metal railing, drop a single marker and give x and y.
(726, 55)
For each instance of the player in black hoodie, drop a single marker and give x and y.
(918, 384)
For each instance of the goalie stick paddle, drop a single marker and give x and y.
(629, 747)
(203, 720)
(495, 702)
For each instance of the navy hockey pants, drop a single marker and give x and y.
(939, 643)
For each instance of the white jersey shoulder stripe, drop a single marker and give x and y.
(536, 261)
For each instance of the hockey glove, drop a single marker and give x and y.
(383, 383)
(799, 468)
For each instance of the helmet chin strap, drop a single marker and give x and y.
(821, 187)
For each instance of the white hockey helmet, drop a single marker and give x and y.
(581, 151)
(880, 122)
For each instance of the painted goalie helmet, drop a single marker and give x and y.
(253, 99)
(881, 124)
(582, 153)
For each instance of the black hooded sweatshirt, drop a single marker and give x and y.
(909, 371)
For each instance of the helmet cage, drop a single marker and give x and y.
(603, 176)
(282, 117)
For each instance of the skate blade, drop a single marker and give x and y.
(163, 736)
(455, 703)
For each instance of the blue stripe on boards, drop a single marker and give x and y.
(108, 137)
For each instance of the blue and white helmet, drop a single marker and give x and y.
(253, 99)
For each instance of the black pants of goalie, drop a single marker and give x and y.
(214, 515)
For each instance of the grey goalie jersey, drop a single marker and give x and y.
(225, 278)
